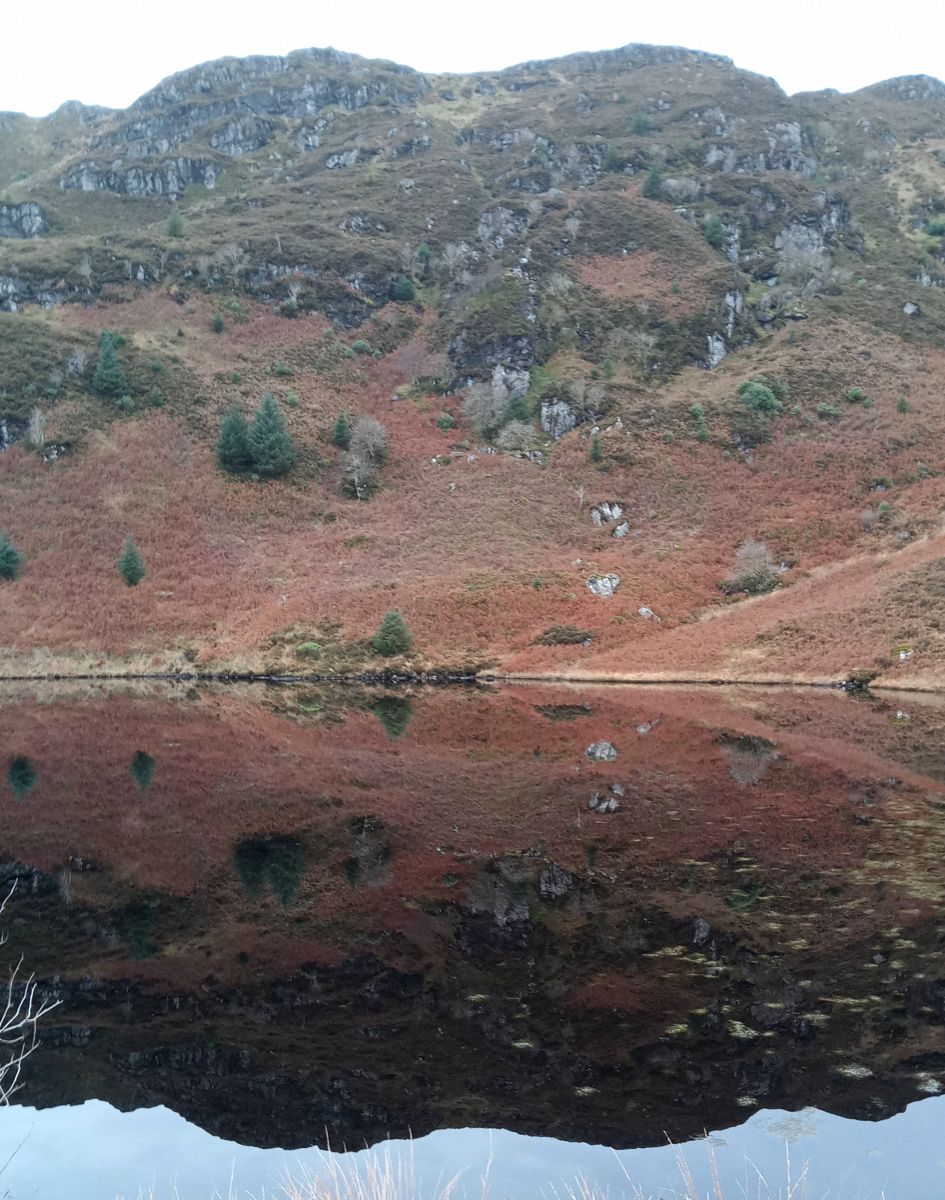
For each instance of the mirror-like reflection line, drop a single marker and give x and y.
(92, 1151)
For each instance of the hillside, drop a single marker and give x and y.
(549, 284)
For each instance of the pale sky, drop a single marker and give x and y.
(110, 51)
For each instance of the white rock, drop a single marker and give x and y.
(603, 585)
(601, 752)
(717, 349)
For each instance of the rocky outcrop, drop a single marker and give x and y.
(26, 220)
(500, 225)
(241, 135)
(46, 292)
(788, 148)
(170, 178)
(557, 417)
(229, 104)
(907, 87)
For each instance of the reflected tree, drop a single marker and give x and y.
(142, 770)
(394, 713)
(22, 1006)
(749, 758)
(274, 862)
(369, 864)
(136, 922)
(22, 775)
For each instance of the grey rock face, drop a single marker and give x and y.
(26, 220)
(499, 225)
(515, 380)
(717, 350)
(346, 158)
(555, 882)
(557, 418)
(15, 291)
(908, 87)
(241, 135)
(516, 351)
(787, 149)
(362, 223)
(734, 307)
(7, 435)
(163, 179)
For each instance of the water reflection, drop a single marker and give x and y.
(597, 915)
(142, 770)
(22, 775)
(274, 862)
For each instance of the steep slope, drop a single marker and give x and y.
(574, 263)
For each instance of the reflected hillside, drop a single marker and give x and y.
(597, 914)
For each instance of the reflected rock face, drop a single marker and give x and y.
(368, 915)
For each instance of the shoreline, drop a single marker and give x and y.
(448, 678)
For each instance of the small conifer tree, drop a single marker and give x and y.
(22, 775)
(714, 232)
(653, 184)
(175, 225)
(393, 635)
(270, 442)
(403, 289)
(597, 452)
(341, 434)
(109, 378)
(218, 324)
(131, 564)
(233, 452)
(10, 558)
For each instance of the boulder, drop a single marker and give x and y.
(557, 417)
(601, 752)
(603, 585)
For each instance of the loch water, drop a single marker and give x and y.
(548, 937)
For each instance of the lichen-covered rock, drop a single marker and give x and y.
(601, 752)
(169, 178)
(555, 882)
(345, 158)
(26, 220)
(241, 135)
(557, 417)
(603, 585)
(502, 224)
(717, 349)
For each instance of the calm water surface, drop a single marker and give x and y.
(554, 928)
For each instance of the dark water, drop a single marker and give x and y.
(591, 921)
